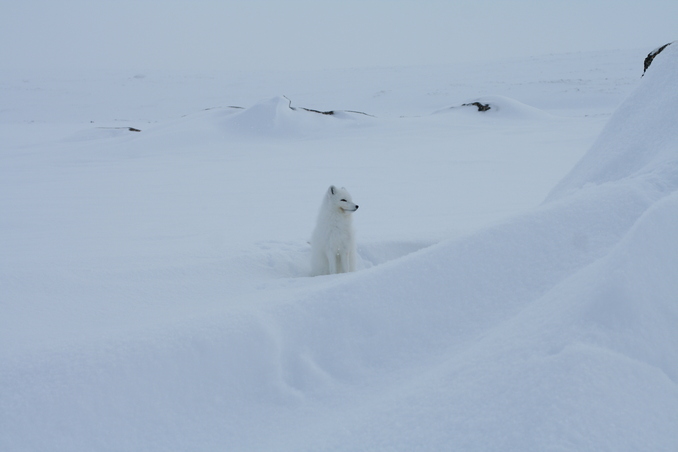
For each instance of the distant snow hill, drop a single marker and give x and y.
(503, 106)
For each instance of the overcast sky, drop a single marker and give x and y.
(207, 35)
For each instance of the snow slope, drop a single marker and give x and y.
(155, 282)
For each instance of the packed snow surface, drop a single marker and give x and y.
(516, 288)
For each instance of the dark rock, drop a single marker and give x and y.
(481, 107)
(650, 56)
(327, 113)
(331, 112)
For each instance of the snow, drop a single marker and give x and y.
(516, 288)
(640, 142)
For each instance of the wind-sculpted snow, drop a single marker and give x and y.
(158, 299)
(277, 118)
(641, 139)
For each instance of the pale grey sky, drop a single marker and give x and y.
(208, 35)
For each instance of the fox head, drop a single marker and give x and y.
(341, 198)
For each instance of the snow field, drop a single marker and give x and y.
(156, 288)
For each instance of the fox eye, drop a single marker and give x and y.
(343, 200)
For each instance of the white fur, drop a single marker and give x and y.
(333, 242)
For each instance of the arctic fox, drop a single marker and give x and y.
(333, 242)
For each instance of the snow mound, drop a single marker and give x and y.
(498, 106)
(276, 118)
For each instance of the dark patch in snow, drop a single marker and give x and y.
(481, 107)
(328, 113)
(359, 113)
(331, 112)
(650, 56)
(131, 129)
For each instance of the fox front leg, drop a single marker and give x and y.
(332, 260)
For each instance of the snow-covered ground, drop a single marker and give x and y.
(517, 288)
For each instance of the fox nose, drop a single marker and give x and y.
(356, 206)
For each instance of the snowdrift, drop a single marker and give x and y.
(498, 107)
(554, 330)
(277, 118)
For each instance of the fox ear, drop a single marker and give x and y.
(332, 189)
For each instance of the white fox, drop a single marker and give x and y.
(333, 243)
